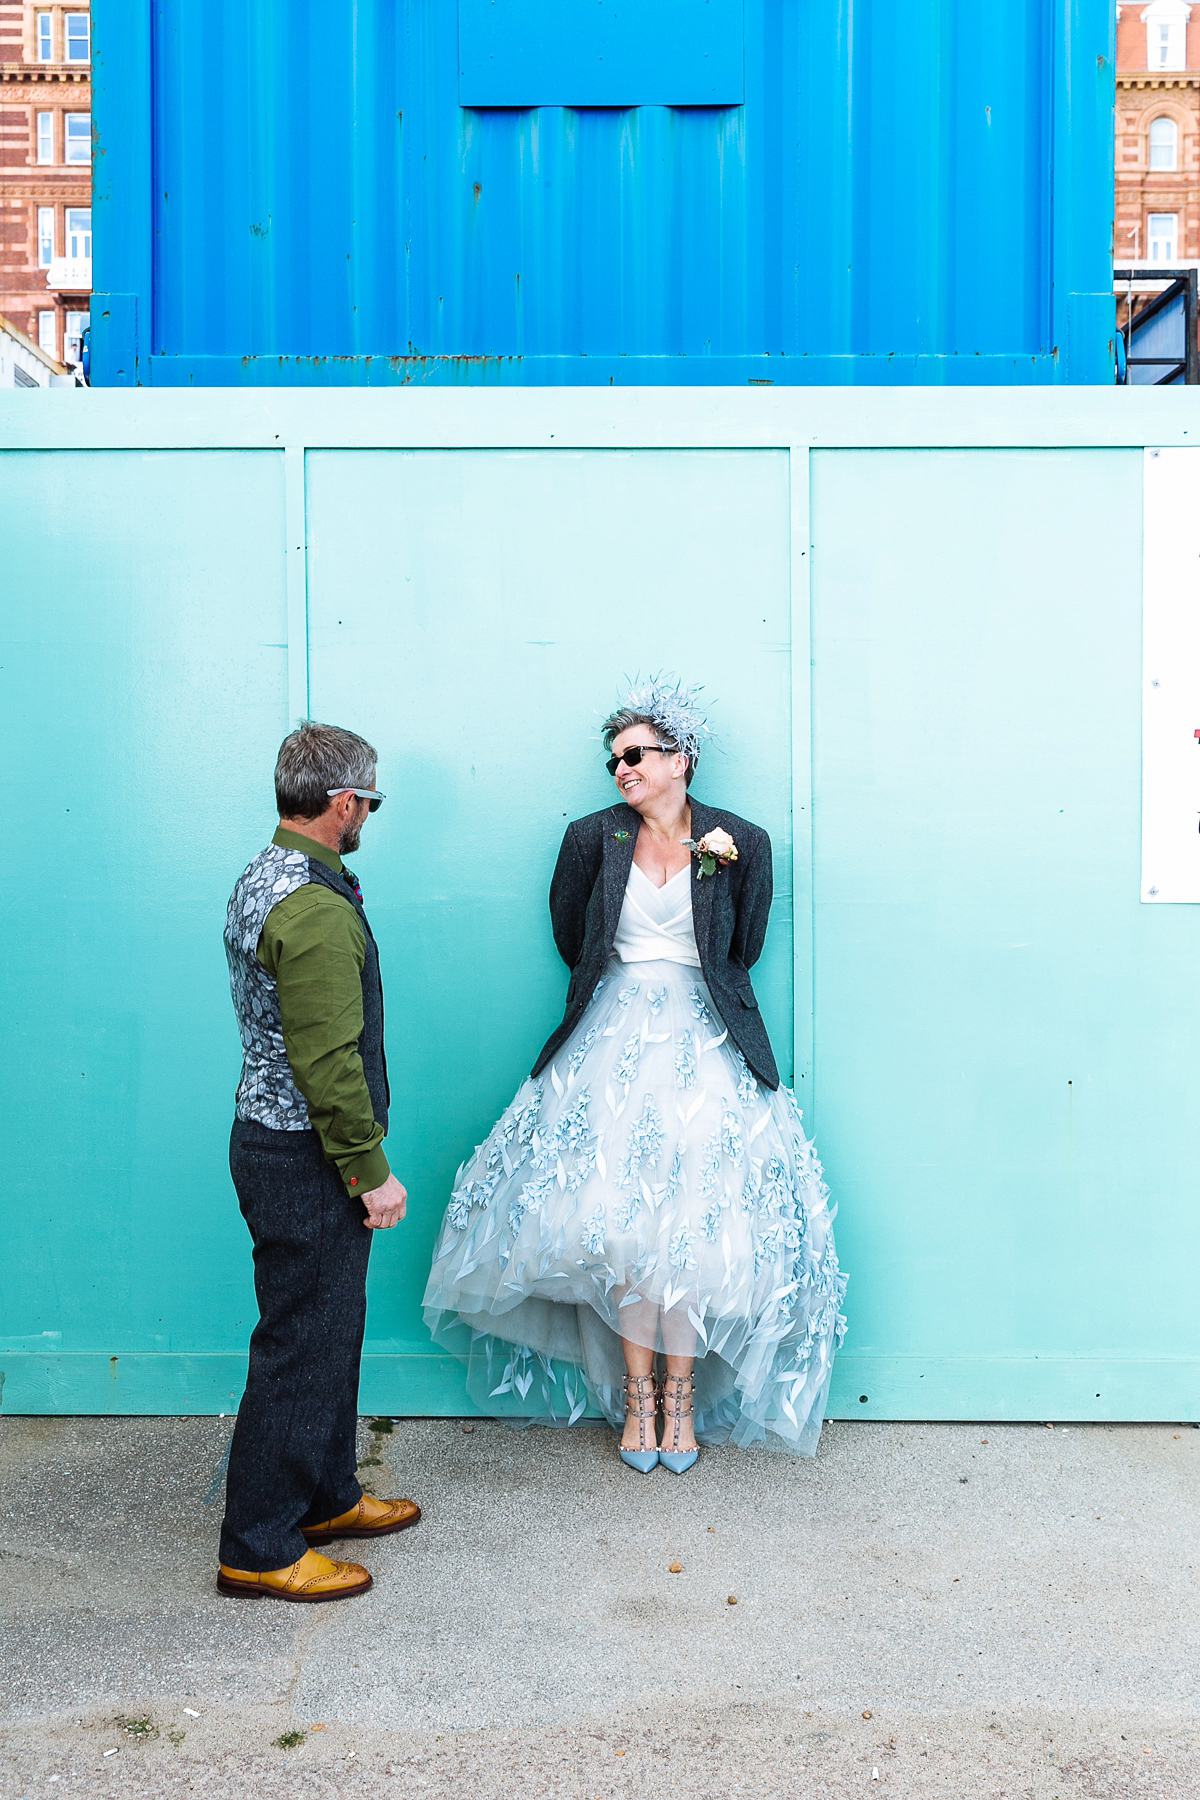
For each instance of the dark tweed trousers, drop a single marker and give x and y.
(293, 1460)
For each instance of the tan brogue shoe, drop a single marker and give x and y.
(311, 1579)
(371, 1518)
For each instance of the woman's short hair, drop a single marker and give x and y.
(625, 717)
(314, 758)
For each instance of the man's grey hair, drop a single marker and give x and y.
(315, 758)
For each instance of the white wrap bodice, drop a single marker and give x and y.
(656, 922)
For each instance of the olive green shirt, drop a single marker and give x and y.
(313, 946)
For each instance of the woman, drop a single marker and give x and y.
(649, 1196)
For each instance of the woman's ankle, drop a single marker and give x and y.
(676, 1403)
(641, 1413)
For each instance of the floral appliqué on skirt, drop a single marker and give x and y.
(646, 1186)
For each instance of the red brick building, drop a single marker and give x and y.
(46, 171)
(1157, 209)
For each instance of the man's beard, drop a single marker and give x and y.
(348, 839)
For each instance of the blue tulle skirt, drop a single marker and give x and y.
(646, 1186)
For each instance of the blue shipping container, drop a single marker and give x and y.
(607, 191)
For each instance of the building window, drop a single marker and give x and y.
(1163, 232)
(47, 333)
(45, 137)
(45, 236)
(1164, 144)
(76, 324)
(1166, 34)
(79, 138)
(79, 232)
(45, 41)
(79, 40)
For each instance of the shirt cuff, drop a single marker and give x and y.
(363, 1173)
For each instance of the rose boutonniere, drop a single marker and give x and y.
(716, 850)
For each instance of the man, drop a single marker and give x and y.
(312, 1180)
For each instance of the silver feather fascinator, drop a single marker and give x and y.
(672, 709)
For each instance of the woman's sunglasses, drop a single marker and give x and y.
(373, 798)
(633, 756)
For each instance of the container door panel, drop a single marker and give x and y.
(142, 692)
(473, 614)
(1005, 1043)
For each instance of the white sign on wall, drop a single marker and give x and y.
(1171, 676)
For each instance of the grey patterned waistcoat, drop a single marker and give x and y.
(267, 1093)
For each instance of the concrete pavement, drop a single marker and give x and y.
(924, 1610)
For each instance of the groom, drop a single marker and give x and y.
(312, 1180)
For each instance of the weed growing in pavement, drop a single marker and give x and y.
(381, 1427)
(289, 1740)
(138, 1729)
(175, 1737)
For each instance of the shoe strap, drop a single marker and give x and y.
(673, 1410)
(635, 1403)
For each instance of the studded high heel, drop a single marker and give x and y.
(638, 1390)
(675, 1390)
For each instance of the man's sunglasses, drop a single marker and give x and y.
(633, 756)
(373, 799)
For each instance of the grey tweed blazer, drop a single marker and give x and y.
(729, 912)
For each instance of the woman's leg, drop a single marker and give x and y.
(678, 1433)
(639, 1361)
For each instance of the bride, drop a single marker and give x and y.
(646, 1225)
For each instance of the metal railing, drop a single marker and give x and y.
(1179, 295)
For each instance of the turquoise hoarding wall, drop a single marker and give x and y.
(919, 619)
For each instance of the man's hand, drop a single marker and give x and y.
(385, 1205)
